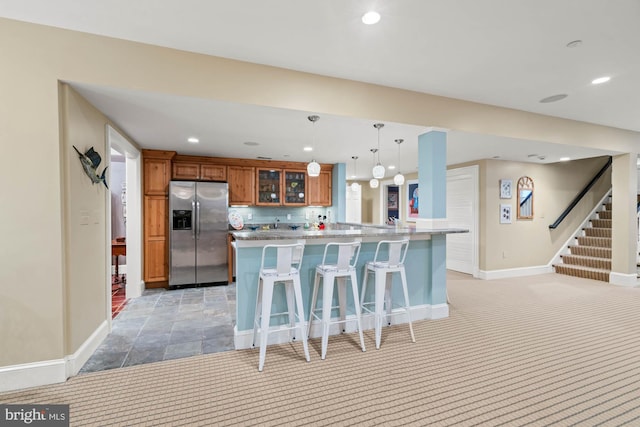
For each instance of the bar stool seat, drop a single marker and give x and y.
(280, 265)
(383, 269)
(338, 266)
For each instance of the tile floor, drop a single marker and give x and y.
(118, 300)
(162, 325)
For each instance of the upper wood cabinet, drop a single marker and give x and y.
(242, 181)
(157, 171)
(268, 187)
(295, 188)
(156, 176)
(199, 171)
(319, 189)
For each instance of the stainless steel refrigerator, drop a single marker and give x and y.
(198, 228)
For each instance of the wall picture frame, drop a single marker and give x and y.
(412, 200)
(505, 214)
(506, 186)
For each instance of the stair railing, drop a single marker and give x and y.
(582, 193)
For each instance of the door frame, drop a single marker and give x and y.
(133, 162)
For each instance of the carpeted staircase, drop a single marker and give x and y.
(590, 256)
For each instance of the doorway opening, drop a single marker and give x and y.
(390, 206)
(124, 229)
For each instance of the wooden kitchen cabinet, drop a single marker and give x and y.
(268, 187)
(242, 181)
(199, 171)
(295, 188)
(156, 240)
(156, 176)
(319, 189)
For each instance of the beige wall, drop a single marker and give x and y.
(527, 243)
(84, 213)
(35, 294)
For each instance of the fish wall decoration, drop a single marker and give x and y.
(90, 161)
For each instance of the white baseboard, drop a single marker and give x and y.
(34, 374)
(622, 279)
(17, 377)
(244, 339)
(515, 272)
(77, 360)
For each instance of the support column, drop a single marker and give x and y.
(339, 192)
(624, 231)
(432, 187)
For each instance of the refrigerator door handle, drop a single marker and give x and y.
(195, 223)
(198, 220)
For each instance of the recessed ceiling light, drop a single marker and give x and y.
(565, 159)
(391, 167)
(193, 140)
(371, 18)
(600, 80)
(308, 148)
(554, 98)
(575, 43)
(251, 143)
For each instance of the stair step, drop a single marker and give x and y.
(591, 251)
(601, 242)
(587, 261)
(604, 215)
(597, 232)
(601, 223)
(607, 206)
(584, 272)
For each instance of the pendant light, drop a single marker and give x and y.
(354, 185)
(313, 168)
(373, 183)
(378, 169)
(399, 178)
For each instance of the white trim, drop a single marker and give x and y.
(77, 360)
(34, 374)
(515, 272)
(622, 279)
(54, 371)
(243, 339)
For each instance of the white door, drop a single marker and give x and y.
(462, 212)
(354, 205)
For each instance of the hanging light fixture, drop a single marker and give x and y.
(378, 169)
(373, 183)
(354, 185)
(313, 168)
(399, 178)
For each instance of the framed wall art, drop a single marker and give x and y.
(505, 214)
(505, 188)
(412, 200)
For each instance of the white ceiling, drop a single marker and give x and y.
(500, 52)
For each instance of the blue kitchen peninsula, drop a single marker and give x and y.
(425, 270)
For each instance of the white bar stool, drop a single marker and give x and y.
(396, 251)
(338, 265)
(283, 268)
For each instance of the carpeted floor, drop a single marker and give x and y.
(534, 351)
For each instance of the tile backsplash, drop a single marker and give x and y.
(268, 215)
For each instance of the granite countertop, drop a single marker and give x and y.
(341, 230)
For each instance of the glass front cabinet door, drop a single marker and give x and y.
(295, 188)
(269, 187)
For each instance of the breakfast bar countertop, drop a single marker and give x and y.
(342, 230)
